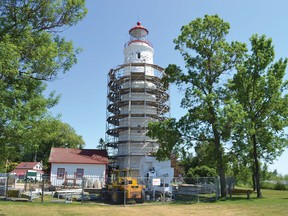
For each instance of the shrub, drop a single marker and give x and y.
(267, 185)
(202, 171)
(13, 193)
(274, 186)
(280, 186)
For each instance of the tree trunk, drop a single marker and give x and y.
(253, 180)
(219, 153)
(256, 172)
(221, 168)
(220, 163)
(253, 175)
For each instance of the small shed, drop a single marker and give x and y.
(69, 166)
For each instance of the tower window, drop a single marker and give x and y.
(138, 55)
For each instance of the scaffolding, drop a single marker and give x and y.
(135, 97)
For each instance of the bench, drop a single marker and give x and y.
(235, 191)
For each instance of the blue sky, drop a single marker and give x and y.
(104, 31)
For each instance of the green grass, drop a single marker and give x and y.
(273, 203)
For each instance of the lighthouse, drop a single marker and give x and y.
(135, 97)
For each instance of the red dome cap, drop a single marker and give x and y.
(138, 31)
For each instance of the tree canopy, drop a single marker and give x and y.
(208, 57)
(259, 88)
(235, 99)
(32, 51)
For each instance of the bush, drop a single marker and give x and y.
(267, 185)
(202, 171)
(13, 193)
(280, 186)
(274, 186)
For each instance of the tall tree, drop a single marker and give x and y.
(31, 52)
(260, 89)
(208, 57)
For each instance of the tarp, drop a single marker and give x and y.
(31, 174)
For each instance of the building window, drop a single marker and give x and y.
(79, 173)
(60, 173)
(139, 55)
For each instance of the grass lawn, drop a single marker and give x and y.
(273, 203)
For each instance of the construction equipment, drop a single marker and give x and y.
(121, 187)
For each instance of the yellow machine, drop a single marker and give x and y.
(122, 187)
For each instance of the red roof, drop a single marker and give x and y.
(78, 156)
(26, 165)
(22, 172)
(19, 172)
(23, 167)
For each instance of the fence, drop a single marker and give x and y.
(6, 182)
(162, 189)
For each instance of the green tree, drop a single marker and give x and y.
(239, 167)
(31, 52)
(168, 137)
(203, 155)
(35, 142)
(259, 88)
(199, 171)
(102, 145)
(208, 57)
(45, 134)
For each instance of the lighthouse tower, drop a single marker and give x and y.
(135, 97)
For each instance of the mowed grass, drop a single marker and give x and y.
(273, 203)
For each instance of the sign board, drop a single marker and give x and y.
(156, 182)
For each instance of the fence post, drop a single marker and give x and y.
(164, 186)
(42, 189)
(82, 195)
(154, 193)
(6, 187)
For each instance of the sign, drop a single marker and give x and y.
(156, 182)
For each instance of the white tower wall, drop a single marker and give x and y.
(136, 97)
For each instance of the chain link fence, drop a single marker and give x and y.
(137, 190)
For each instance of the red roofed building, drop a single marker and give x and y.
(25, 168)
(69, 166)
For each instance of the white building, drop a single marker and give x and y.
(29, 170)
(69, 166)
